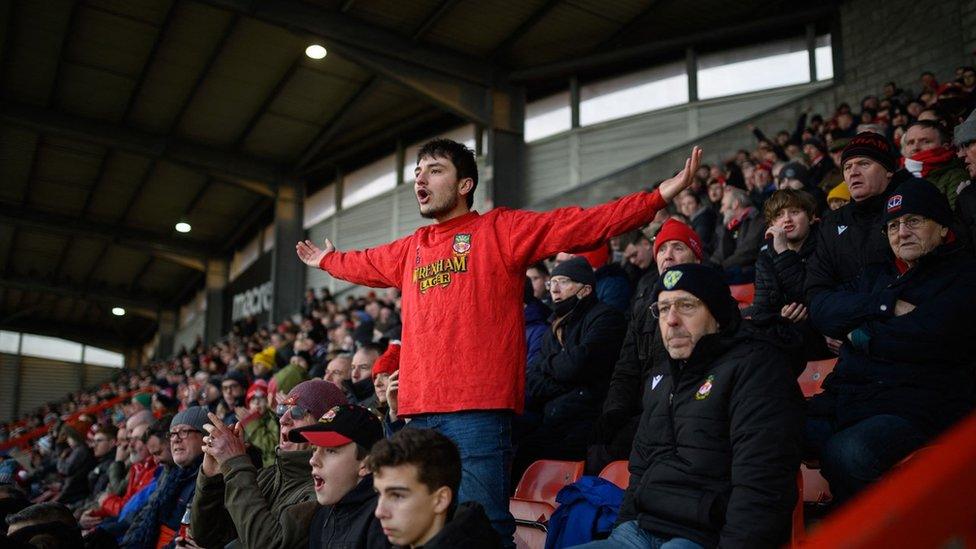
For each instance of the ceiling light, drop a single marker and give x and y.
(183, 227)
(315, 51)
(118, 311)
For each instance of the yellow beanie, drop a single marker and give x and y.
(840, 192)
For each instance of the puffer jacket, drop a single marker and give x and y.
(918, 366)
(718, 448)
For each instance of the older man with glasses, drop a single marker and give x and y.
(234, 499)
(905, 369)
(717, 450)
(158, 523)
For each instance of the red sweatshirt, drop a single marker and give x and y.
(462, 283)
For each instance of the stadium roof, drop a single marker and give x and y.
(120, 118)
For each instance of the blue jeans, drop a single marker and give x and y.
(630, 535)
(484, 439)
(854, 457)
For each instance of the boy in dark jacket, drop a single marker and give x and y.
(905, 368)
(342, 514)
(781, 267)
(417, 473)
(718, 447)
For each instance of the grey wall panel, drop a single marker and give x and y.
(44, 380)
(8, 374)
(188, 334)
(546, 168)
(96, 375)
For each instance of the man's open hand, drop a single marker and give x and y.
(312, 255)
(670, 188)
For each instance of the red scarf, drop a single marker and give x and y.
(734, 224)
(923, 163)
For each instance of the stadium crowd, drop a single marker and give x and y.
(855, 228)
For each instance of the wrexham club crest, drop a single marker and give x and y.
(705, 389)
(462, 243)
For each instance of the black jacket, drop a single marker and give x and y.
(568, 381)
(918, 366)
(779, 282)
(739, 247)
(718, 448)
(850, 238)
(468, 529)
(350, 523)
(703, 222)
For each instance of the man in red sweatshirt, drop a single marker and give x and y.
(462, 362)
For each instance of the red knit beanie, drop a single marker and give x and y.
(258, 388)
(676, 230)
(388, 362)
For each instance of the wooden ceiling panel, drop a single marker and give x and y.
(195, 33)
(164, 198)
(123, 174)
(17, 149)
(37, 29)
(81, 254)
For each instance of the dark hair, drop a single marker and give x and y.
(436, 458)
(634, 238)
(933, 125)
(373, 347)
(460, 156)
(111, 431)
(48, 511)
(789, 198)
(541, 267)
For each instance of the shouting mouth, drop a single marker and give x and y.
(318, 481)
(423, 196)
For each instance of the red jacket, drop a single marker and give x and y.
(140, 475)
(462, 283)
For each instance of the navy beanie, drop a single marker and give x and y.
(873, 146)
(919, 197)
(576, 269)
(705, 283)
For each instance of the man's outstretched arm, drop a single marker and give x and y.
(379, 267)
(533, 236)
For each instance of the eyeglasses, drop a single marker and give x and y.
(297, 412)
(910, 223)
(559, 283)
(684, 307)
(182, 434)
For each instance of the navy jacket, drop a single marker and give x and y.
(918, 366)
(568, 381)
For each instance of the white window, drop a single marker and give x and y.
(825, 58)
(464, 134)
(547, 116)
(9, 342)
(753, 68)
(367, 182)
(51, 347)
(319, 205)
(643, 91)
(101, 357)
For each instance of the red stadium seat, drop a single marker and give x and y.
(531, 518)
(743, 293)
(617, 473)
(813, 375)
(544, 478)
(815, 487)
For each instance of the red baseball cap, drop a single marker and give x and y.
(340, 426)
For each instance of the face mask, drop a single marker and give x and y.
(564, 307)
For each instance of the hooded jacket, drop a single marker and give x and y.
(918, 366)
(569, 379)
(717, 452)
(469, 528)
(248, 504)
(350, 523)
